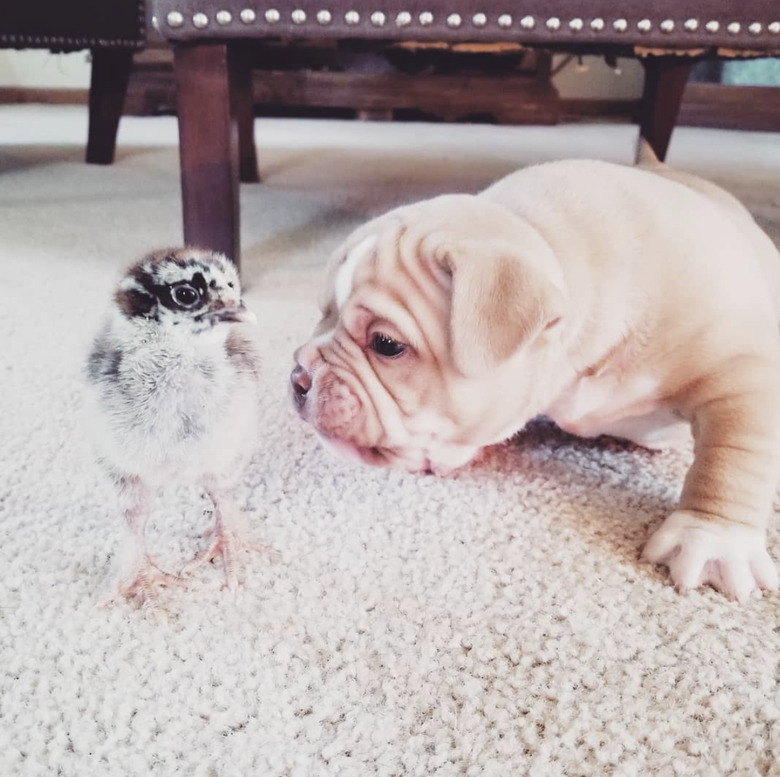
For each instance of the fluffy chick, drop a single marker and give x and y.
(172, 398)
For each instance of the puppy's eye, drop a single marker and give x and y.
(386, 346)
(185, 295)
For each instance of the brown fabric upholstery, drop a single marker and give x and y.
(749, 25)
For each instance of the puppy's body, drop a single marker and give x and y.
(627, 301)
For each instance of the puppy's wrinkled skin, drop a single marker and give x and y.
(638, 302)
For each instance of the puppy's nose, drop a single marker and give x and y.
(301, 383)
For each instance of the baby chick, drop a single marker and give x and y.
(173, 397)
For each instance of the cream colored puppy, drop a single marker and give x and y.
(630, 301)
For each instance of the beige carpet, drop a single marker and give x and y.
(494, 623)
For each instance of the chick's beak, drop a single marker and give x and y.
(238, 314)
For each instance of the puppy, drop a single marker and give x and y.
(637, 302)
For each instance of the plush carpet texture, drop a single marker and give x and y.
(497, 622)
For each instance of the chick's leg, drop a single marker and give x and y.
(230, 537)
(135, 573)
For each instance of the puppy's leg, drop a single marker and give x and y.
(717, 535)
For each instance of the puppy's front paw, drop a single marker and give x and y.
(732, 558)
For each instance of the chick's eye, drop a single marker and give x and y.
(185, 295)
(386, 346)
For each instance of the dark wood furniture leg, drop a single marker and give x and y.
(107, 90)
(247, 153)
(665, 79)
(208, 145)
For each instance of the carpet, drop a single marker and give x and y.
(495, 623)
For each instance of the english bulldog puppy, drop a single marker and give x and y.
(637, 302)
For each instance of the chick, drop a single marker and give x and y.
(173, 398)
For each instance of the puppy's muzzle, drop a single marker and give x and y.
(300, 380)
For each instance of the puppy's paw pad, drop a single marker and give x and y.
(731, 558)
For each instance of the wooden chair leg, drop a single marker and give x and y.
(665, 79)
(108, 87)
(247, 153)
(208, 145)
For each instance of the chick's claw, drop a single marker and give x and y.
(144, 583)
(229, 543)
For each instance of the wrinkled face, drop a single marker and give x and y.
(380, 380)
(190, 289)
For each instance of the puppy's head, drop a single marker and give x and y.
(434, 319)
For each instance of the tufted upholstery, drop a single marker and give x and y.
(712, 24)
(74, 24)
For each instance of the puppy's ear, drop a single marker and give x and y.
(500, 302)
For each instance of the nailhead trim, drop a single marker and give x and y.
(324, 17)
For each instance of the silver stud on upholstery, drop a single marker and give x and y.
(272, 16)
(505, 20)
(324, 17)
(576, 24)
(620, 25)
(454, 20)
(597, 25)
(174, 19)
(712, 27)
(200, 20)
(755, 28)
(691, 25)
(378, 19)
(247, 16)
(352, 18)
(479, 20)
(667, 26)
(404, 19)
(298, 16)
(224, 17)
(426, 18)
(733, 28)
(528, 22)
(774, 28)
(644, 25)
(553, 23)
